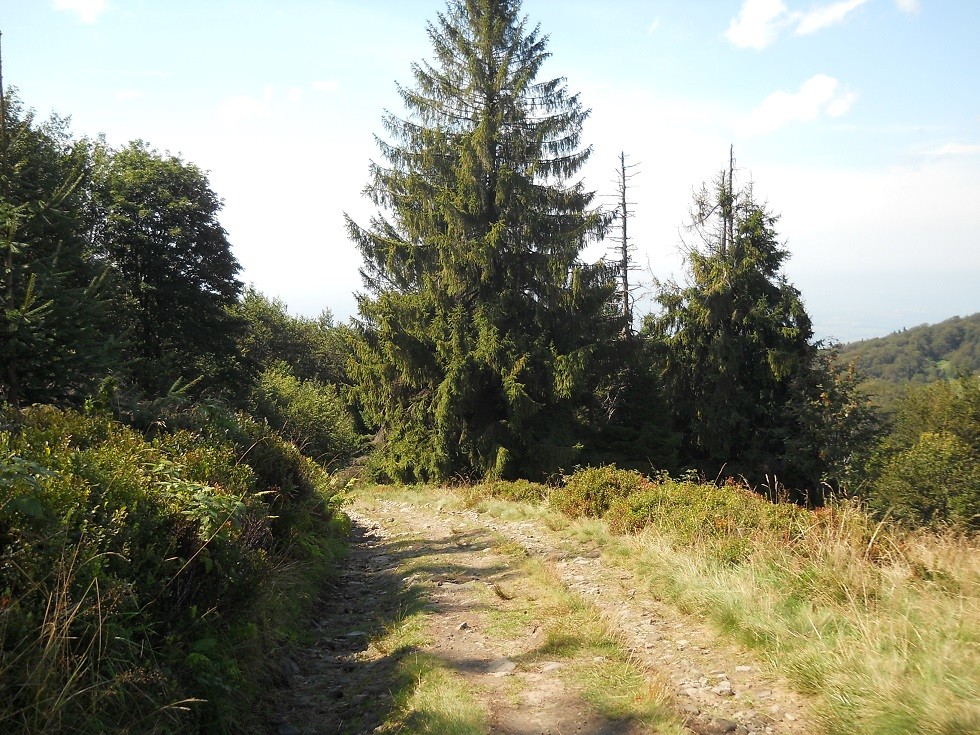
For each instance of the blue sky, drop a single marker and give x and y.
(857, 120)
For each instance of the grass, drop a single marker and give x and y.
(428, 698)
(881, 626)
(437, 703)
(596, 661)
(884, 647)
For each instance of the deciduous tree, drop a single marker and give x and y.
(157, 226)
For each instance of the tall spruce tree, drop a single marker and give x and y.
(479, 322)
(736, 341)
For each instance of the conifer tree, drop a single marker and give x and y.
(55, 339)
(479, 321)
(736, 340)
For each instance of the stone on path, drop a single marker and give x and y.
(501, 667)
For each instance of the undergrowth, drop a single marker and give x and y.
(146, 578)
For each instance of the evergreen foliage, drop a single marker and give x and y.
(735, 340)
(480, 325)
(631, 425)
(54, 298)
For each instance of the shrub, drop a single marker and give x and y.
(309, 413)
(518, 491)
(725, 520)
(935, 482)
(136, 573)
(589, 491)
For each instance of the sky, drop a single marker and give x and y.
(857, 121)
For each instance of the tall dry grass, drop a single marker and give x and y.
(881, 625)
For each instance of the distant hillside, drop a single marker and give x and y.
(921, 354)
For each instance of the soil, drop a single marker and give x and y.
(339, 682)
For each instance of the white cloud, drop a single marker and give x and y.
(295, 94)
(655, 26)
(124, 95)
(907, 6)
(88, 10)
(840, 106)
(757, 24)
(328, 85)
(825, 16)
(818, 94)
(955, 149)
(239, 108)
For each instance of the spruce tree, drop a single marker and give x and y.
(55, 333)
(736, 341)
(479, 322)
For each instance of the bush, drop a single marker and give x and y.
(309, 413)
(589, 491)
(134, 572)
(725, 520)
(935, 482)
(518, 491)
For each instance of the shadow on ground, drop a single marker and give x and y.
(327, 688)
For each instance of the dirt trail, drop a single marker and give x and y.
(417, 552)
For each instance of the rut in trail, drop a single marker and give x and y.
(412, 553)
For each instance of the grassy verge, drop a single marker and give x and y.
(881, 625)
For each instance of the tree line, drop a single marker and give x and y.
(484, 347)
(921, 354)
(487, 347)
(118, 276)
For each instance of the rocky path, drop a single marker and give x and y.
(719, 688)
(415, 552)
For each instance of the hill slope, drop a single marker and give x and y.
(921, 354)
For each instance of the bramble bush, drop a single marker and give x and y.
(309, 413)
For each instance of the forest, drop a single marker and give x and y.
(172, 443)
(922, 354)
